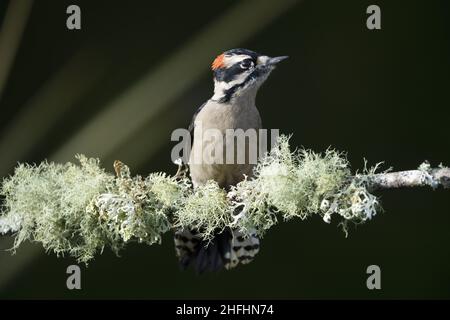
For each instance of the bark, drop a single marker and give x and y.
(437, 177)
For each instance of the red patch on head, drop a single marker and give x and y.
(218, 62)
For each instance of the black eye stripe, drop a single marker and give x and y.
(230, 74)
(228, 94)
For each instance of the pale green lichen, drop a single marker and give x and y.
(140, 208)
(206, 211)
(291, 183)
(170, 192)
(427, 177)
(354, 202)
(49, 202)
(80, 209)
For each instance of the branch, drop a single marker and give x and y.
(432, 177)
(78, 209)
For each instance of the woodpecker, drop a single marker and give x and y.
(238, 74)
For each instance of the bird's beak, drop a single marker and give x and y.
(275, 60)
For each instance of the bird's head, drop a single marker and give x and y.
(240, 73)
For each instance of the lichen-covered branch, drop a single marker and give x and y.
(79, 209)
(424, 176)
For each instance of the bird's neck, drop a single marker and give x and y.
(246, 97)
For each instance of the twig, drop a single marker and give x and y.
(437, 177)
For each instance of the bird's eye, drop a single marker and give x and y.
(246, 64)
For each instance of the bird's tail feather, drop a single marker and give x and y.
(227, 250)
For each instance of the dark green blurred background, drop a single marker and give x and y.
(139, 69)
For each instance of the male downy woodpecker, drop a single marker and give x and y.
(238, 74)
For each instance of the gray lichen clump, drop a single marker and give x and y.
(300, 184)
(80, 209)
(47, 203)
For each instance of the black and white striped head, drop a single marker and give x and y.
(240, 72)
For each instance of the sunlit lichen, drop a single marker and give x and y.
(80, 209)
(47, 204)
(207, 211)
(293, 184)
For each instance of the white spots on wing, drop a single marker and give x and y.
(243, 249)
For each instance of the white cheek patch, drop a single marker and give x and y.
(221, 86)
(240, 78)
(219, 89)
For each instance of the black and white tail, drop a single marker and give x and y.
(227, 250)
